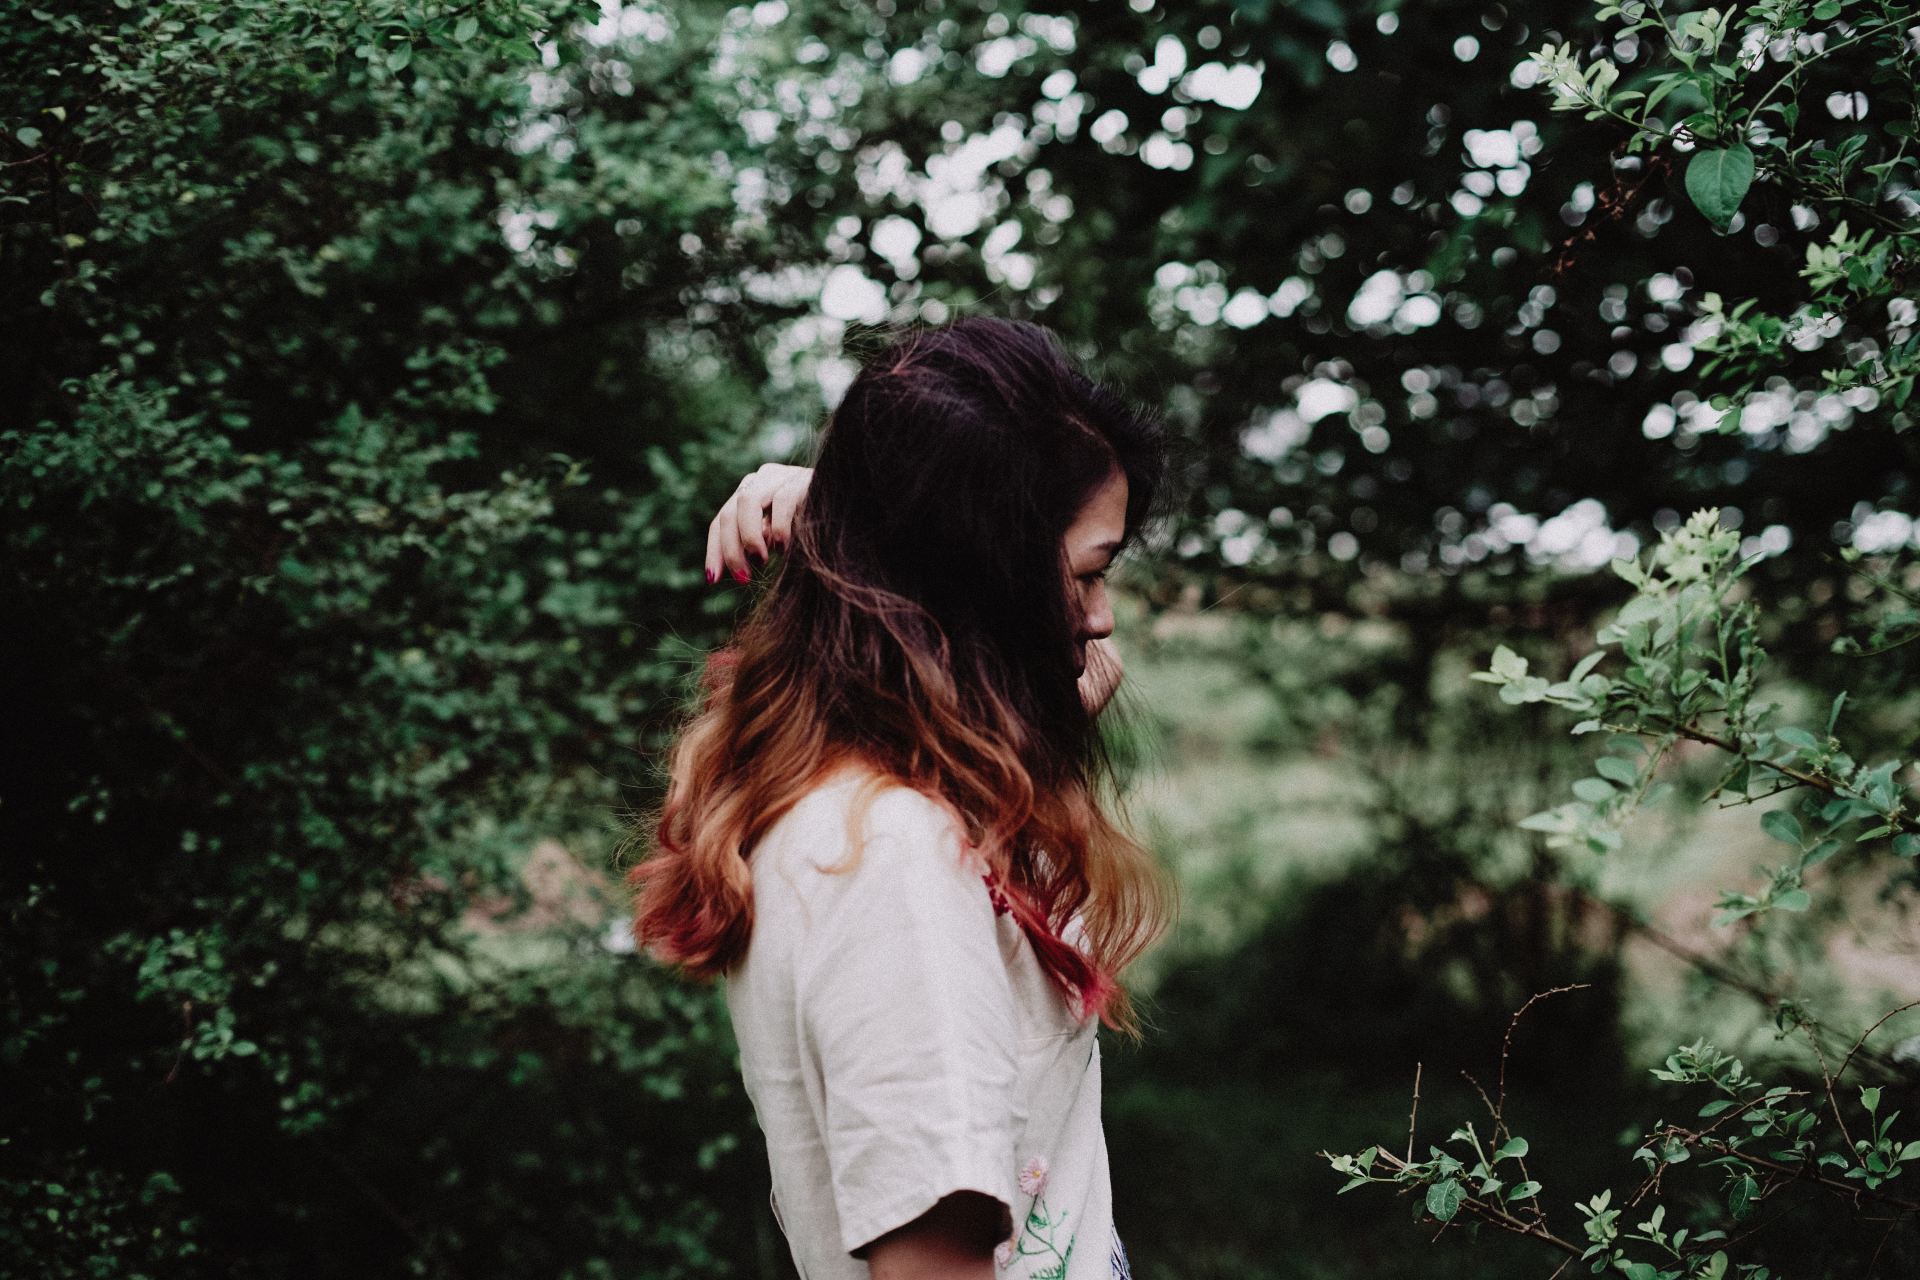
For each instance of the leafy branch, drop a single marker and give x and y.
(1692, 650)
(1722, 88)
(1758, 1139)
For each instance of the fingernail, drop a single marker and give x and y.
(741, 575)
(712, 577)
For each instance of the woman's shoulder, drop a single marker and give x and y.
(859, 818)
(858, 804)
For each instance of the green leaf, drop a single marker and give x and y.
(1523, 689)
(1443, 1199)
(1594, 790)
(1793, 900)
(1511, 1148)
(1508, 664)
(1820, 853)
(1870, 1099)
(1740, 1198)
(27, 135)
(464, 29)
(1551, 820)
(398, 59)
(1523, 1191)
(1718, 180)
(1784, 827)
(1798, 738)
(1614, 769)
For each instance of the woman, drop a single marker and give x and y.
(886, 825)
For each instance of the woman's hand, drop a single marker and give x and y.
(756, 521)
(1102, 676)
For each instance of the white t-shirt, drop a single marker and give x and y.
(901, 1042)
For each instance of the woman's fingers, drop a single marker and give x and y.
(725, 553)
(756, 520)
(750, 521)
(790, 489)
(1101, 679)
(726, 557)
(715, 562)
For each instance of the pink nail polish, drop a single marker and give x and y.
(712, 577)
(741, 575)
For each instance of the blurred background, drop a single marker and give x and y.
(372, 371)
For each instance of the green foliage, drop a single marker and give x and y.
(1739, 91)
(1690, 646)
(319, 612)
(1680, 664)
(1692, 651)
(1762, 1141)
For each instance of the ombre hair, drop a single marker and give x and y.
(921, 627)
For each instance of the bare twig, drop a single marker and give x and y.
(1415, 1113)
(1826, 1079)
(1861, 1042)
(1481, 1090)
(1879, 1248)
(1711, 968)
(1506, 1048)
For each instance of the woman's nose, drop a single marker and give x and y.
(1098, 623)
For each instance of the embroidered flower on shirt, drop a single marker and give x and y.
(1040, 1238)
(1003, 1255)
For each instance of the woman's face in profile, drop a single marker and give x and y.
(1091, 542)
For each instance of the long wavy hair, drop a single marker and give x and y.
(921, 625)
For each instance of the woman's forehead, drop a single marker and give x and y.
(1101, 524)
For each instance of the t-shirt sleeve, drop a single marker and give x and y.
(905, 1003)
